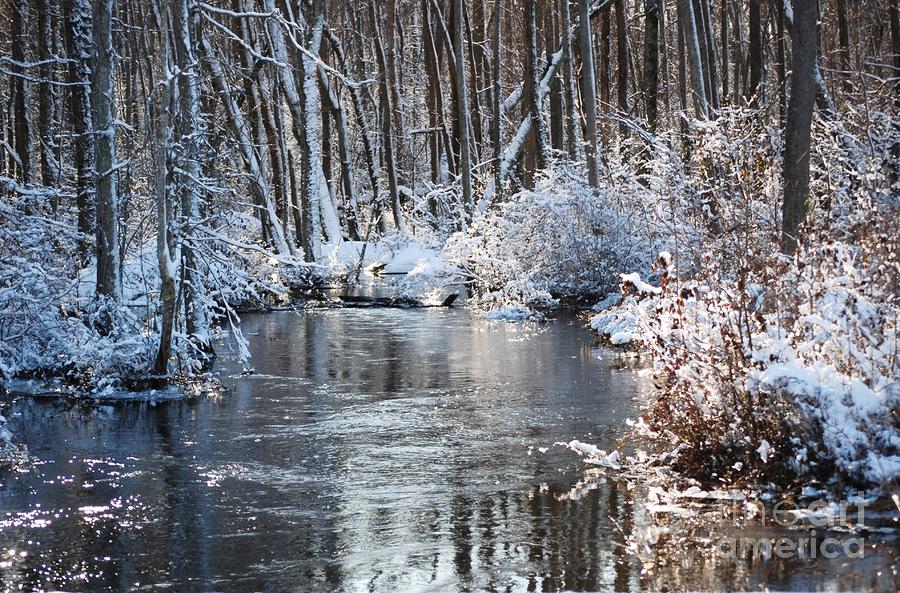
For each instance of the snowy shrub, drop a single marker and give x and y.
(54, 328)
(46, 330)
(786, 369)
(562, 240)
(768, 368)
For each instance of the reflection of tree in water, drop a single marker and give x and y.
(672, 546)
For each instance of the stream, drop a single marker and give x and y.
(375, 449)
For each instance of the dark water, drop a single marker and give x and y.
(376, 449)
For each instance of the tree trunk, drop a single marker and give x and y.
(782, 66)
(165, 220)
(535, 157)
(351, 206)
(569, 82)
(387, 110)
(694, 57)
(79, 42)
(189, 127)
(682, 74)
(704, 53)
(365, 132)
(47, 98)
(304, 120)
(434, 94)
(797, 135)
(754, 92)
(844, 44)
(109, 282)
(738, 56)
(393, 73)
(588, 93)
(895, 37)
(711, 59)
(475, 125)
(622, 63)
(497, 120)
(258, 181)
(605, 82)
(557, 120)
(23, 127)
(723, 18)
(462, 111)
(651, 61)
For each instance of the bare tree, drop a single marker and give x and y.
(536, 153)
(497, 117)
(797, 134)
(47, 97)
(588, 92)
(462, 111)
(756, 53)
(387, 111)
(79, 41)
(569, 81)
(651, 61)
(622, 62)
(109, 280)
(167, 247)
(694, 57)
(23, 128)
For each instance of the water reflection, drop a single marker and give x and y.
(371, 450)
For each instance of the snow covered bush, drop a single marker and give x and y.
(789, 368)
(564, 240)
(771, 369)
(54, 328)
(46, 330)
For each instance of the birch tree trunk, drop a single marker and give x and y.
(311, 181)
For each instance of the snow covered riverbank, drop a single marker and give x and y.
(787, 374)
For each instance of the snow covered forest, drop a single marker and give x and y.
(720, 175)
